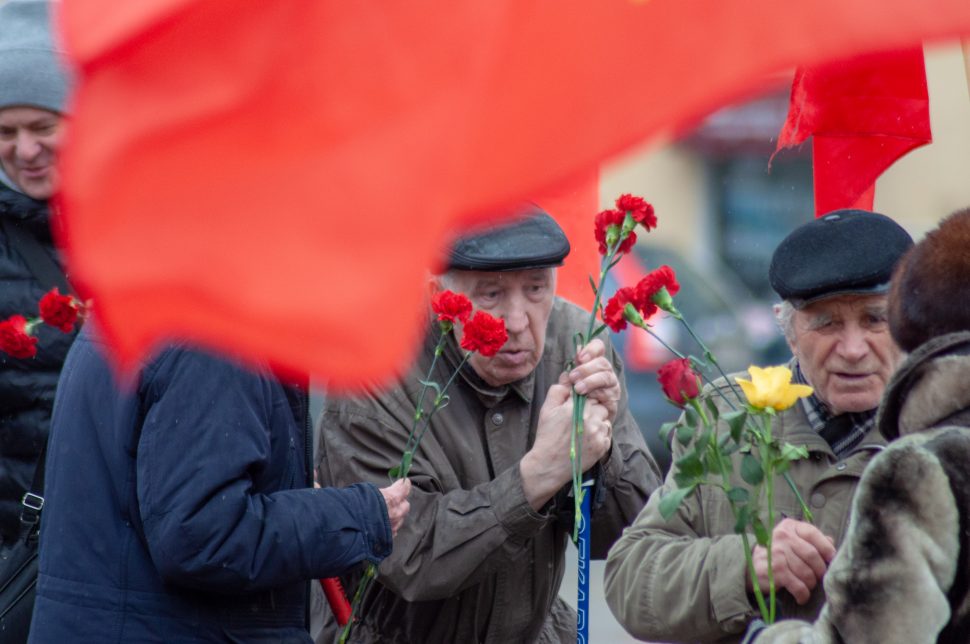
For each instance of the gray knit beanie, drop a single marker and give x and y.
(31, 71)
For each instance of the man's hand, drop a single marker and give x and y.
(396, 499)
(545, 468)
(800, 555)
(594, 376)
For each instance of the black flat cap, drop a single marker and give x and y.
(532, 240)
(843, 252)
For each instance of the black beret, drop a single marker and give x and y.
(843, 252)
(532, 240)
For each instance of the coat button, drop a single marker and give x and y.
(497, 419)
(818, 500)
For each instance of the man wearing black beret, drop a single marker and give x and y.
(482, 556)
(684, 579)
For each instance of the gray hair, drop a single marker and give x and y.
(785, 317)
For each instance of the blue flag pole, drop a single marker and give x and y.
(582, 573)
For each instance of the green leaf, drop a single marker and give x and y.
(394, 472)
(672, 500)
(790, 452)
(735, 421)
(712, 462)
(741, 519)
(761, 533)
(712, 407)
(738, 495)
(406, 463)
(665, 430)
(683, 480)
(751, 470)
(690, 465)
(690, 417)
(684, 435)
(431, 383)
(592, 284)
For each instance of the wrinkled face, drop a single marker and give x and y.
(29, 141)
(524, 300)
(845, 350)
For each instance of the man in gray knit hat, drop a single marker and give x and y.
(33, 91)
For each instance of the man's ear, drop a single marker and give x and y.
(434, 285)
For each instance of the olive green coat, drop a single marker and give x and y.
(473, 561)
(683, 580)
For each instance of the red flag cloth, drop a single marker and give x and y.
(863, 113)
(274, 178)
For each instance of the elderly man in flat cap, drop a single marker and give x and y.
(684, 579)
(482, 556)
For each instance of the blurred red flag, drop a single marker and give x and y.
(863, 113)
(274, 178)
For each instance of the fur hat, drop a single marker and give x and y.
(931, 285)
(31, 72)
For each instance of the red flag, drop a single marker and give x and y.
(275, 178)
(864, 113)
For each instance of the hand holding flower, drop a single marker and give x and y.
(801, 554)
(594, 376)
(546, 467)
(396, 500)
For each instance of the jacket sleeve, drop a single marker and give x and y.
(629, 475)
(667, 581)
(202, 458)
(891, 579)
(451, 540)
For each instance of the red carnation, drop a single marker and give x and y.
(484, 334)
(679, 381)
(612, 218)
(58, 310)
(14, 338)
(649, 293)
(450, 306)
(614, 314)
(639, 209)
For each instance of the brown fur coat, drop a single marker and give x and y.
(903, 573)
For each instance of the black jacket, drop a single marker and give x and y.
(26, 386)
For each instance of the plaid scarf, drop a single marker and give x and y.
(843, 432)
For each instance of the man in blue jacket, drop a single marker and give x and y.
(179, 506)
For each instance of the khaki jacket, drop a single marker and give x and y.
(683, 580)
(473, 561)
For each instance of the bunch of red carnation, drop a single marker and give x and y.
(637, 304)
(616, 225)
(59, 311)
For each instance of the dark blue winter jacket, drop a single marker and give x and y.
(177, 509)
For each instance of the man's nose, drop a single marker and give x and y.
(28, 146)
(854, 344)
(516, 316)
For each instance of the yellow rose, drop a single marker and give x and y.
(772, 387)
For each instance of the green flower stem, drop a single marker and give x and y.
(746, 543)
(419, 425)
(579, 400)
(680, 355)
(419, 410)
(370, 573)
(709, 355)
(767, 455)
(806, 513)
(439, 399)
